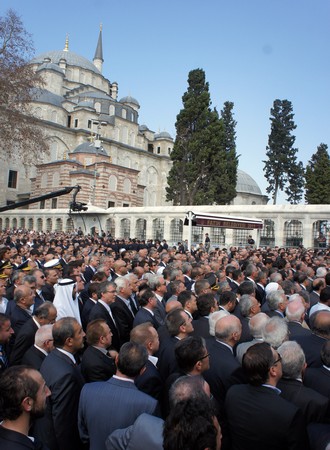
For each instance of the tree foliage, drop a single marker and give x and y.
(20, 135)
(282, 170)
(200, 173)
(318, 176)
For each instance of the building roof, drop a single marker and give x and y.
(45, 96)
(245, 183)
(71, 58)
(51, 66)
(88, 147)
(129, 99)
(163, 135)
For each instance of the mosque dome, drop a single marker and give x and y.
(129, 99)
(87, 147)
(51, 66)
(71, 58)
(245, 183)
(163, 135)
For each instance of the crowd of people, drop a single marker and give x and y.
(128, 344)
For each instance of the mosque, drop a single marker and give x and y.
(96, 142)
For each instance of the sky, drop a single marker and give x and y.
(252, 52)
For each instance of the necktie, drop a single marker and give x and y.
(3, 357)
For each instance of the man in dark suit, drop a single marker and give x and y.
(281, 423)
(21, 313)
(179, 326)
(313, 405)
(318, 378)
(102, 310)
(224, 368)
(148, 302)
(206, 304)
(43, 345)
(97, 364)
(45, 314)
(6, 332)
(121, 308)
(150, 380)
(58, 429)
(158, 285)
(249, 307)
(93, 292)
(277, 302)
(91, 269)
(295, 314)
(261, 282)
(320, 326)
(23, 395)
(121, 392)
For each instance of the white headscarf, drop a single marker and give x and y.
(65, 304)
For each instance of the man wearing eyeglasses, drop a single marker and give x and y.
(258, 416)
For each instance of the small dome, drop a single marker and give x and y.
(163, 135)
(71, 58)
(50, 66)
(143, 128)
(87, 147)
(245, 183)
(85, 104)
(130, 99)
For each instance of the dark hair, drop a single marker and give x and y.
(93, 288)
(325, 353)
(62, 330)
(246, 287)
(184, 297)
(190, 426)
(3, 319)
(256, 363)
(16, 384)
(204, 304)
(173, 321)
(146, 295)
(325, 295)
(94, 331)
(131, 359)
(189, 351)
(227, 297)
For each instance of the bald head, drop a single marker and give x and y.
(320, 323)
(295, 311)
(173, 304)
(228, 329)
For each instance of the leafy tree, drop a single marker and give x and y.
(318, 176)
(198, 174)
(20, 136)
(282, 167)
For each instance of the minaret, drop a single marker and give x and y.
(98, 57)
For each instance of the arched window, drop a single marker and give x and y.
(39, 224)
(141, 229)
(49, 224)
(111, 110)
(127, 186)
(69, 225)
(59, 225)
(125, 228)
(21, 223)
(113, 183)
(158, 229)
(97, 107)
(124, 113)
(267, 234)
(176, 229)
(293, 233)
(30, 223)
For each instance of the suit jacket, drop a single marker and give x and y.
(48, 292)
(313, 405)
(260, 294)
(86, 309)
(260, 419)
(318, 378)
(12, 440)
(124, 318)
(23, 341)
(224, 371)
(99, 312)
(246, 335)
(125, 397)
(58, 428)
(145, 433)
(313, 298)
(167, 362)
(150, 382)
(33, 357)
(312, 347)
(96, 366)
(201, 327)
(88, 274)
(142, 316)
(296, 329)
(160, 313)
(18, 317)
